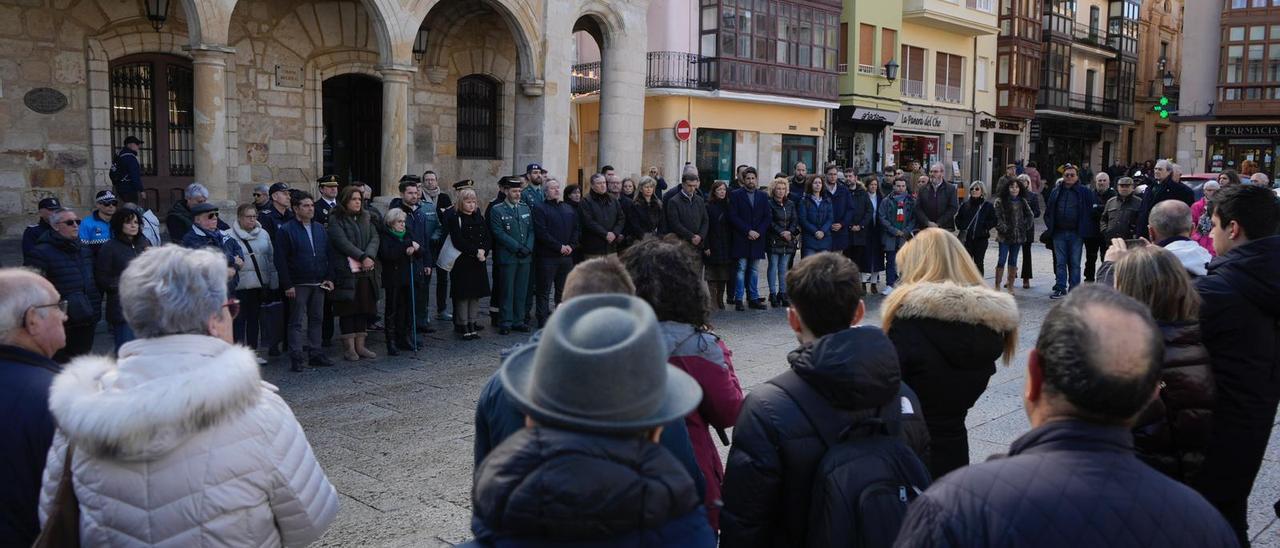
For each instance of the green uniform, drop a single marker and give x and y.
(512, 227)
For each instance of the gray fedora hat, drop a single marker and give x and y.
(600, 366)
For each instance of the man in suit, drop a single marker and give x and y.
(328, 198)
(750, 216)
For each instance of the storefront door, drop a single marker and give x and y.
(797, 148)
(714, 156)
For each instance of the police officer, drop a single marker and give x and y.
(328, 198)
(278, 211)
(533, 194)
(47, 207)
(512, 225)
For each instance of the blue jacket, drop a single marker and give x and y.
(68, 265)
(841, 212)
(299, 261)
(127, 160)
(815, 216)
(745, 216)
(271, 219)
(1067, 483)
(1084, 214)
(197, 238)
(24, 440)
(555, 224)
(94, 232)
(32, 234)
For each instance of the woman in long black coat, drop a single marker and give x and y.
(720, 268)
(974, 220)
(126, 244)
(469, 281)
(396, 251)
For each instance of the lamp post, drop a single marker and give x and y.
(890, 74)
(157, 12)
(420, 44)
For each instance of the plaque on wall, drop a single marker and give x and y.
(45, 100)
(288, 77)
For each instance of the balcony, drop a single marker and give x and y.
(1077, 103)
(951, 17)
(680, 70)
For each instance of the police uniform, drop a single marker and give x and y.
(512, 228)
(269, 217)
(323, 206)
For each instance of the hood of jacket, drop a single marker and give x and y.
(959, 321)
(158, 393)
(1251, 270)
(853, 369)
(557, 485)
(1191, 254)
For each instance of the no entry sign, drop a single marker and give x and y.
(683, 130)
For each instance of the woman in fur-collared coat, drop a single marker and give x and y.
(949, 329)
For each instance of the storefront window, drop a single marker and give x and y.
(714, 156)
(798, 148)
(909, 148)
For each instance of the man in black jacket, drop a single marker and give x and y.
(602, 220)
(937, 202)
(1167, 187)
(556, 232)
(47, 207)
(1074, 480)
(776, 448)
(1240, 321)
(68, 265)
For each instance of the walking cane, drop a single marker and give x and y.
(413, 307)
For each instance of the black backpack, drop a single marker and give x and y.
(117, 173)
(867, 476)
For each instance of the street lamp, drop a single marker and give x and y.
(420, 44)
(890, 74)
(157, 12)
(1168, 79)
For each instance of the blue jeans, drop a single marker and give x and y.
(748, 276)
(122, 333)
(891, 267)
(1009, 251)
(777, 273)
(1067, 248)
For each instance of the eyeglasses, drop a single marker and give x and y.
(232, 306)
(71, 222)
(112, 203)
(211, 216)
(62, 306)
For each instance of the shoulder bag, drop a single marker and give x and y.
(62, 528)
(448, 252)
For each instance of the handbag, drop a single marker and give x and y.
(448, 252)
(62, 528)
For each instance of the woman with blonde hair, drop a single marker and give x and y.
(1172, 433)
(781, 239)
(949, 329)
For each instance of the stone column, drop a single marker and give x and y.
(209, 65)
(623, 69)
(395, 128)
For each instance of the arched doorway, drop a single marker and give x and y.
(353, 128)
(151, 99)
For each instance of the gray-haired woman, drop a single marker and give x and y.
(179, 430)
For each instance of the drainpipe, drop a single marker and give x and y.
(974, 169)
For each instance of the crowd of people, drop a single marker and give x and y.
(1155, 387)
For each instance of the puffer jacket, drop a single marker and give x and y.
(1015, 222)
(776, 449)
(550, 487)
(705, 357)
(112, 259)
(948, 338)
(259, 269)
(815, 216)
(1172, 433)
(180, 443)
(785, 219)
(68, 265)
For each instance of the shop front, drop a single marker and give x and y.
(1230, 146)
(933, 136)
(1083, 142)
(860, 138)
(1006, 142)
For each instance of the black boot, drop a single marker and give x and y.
(391, 347)
(773, 300)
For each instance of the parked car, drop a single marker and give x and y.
(1197, 180)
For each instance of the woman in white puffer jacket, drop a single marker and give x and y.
(179, 442)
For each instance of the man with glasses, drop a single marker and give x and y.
(31, 316)
(302, 264)
(1165, 187)
(96, 229)
(68, 265)
(261, 196)
(937, 202)
(206, 233)
(1068, 217)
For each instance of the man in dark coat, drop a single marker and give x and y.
(328, 199)
(301, 249)
(556, 231)
(278, 210)
(799, 176)
(749, 220)
(68, 265)
(777, 449)
(1166, 187)
(179, 219)
(1240, 321)
(422, 221)
(842, 213)
(938, 202)
(602, 220)
(27, 344)
(687, 212)
(1067, 215)
(32, 233)
(129, 185)
(1074, 479)
(205, 233)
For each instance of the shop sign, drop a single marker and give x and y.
(45, 100)
(1244, 131)
(910, 120)
(1002, 125)
(873, 115)
(288, 77)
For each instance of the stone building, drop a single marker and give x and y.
(1159, 60)
(232, 93)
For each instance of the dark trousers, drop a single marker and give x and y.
(551, 273)
(421, 300)
(948, 443)
(1236, 449)
(1095, 250)
(397, 314)
(1026, 260)
(978, 252)
(307, 307)
(326, 331)
(79, 342)
(246, 326)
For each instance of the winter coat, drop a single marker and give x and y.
(550, 487)
(937, 205)
(1100, 205)
(555, 224)
(645, 219)
(112, 259)
(1120, 218)
(150, 226)
(1172, 433)
(25, 378)
(894, 233)
(718, 229)
(197, 238)
(600, 215)
(32, 234)
(470, 233)
(1168, 189)
(299, 260)
(948, 339)
(1202, 225)
(1015, 221)
(686, 216)
(746, 216)
(841, 212)
(975, 220)
(178, 222)
(127, 163)
(815, 216)
(776, 448)
(784, 219)
(68, 265)
(1085, 226)
(94, 231)
(272, 219)
(259, 271)
(1068, 483)
(393, 261)
(354, 237)
(181, 443)
(705, 357)
(862, 215)
(422, 225)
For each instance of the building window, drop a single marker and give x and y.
(799, 148)
(151, 99)
(949, 78)
(888, 46)
(478, 117)
(912, 71)
(866, 48)
(1251, 64)
(714, 156)
(798, 35)
(981, 74)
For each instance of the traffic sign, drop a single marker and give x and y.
(683, 130)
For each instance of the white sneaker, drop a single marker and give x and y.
(886, 291)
